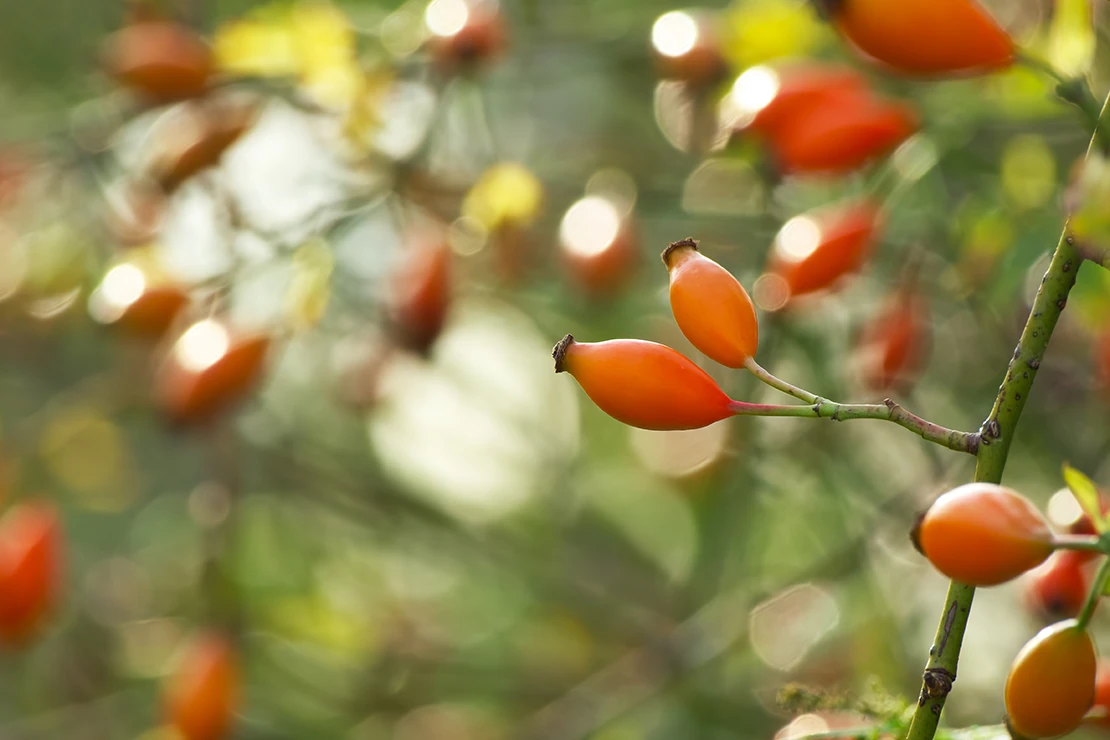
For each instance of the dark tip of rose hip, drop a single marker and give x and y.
(559, 353)
(682, 243)
(915, 531)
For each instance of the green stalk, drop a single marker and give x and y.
(887, 411)
(1084, 542)
(822, 408)
(1093, 595)
(997, 434)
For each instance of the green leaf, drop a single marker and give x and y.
(1086, 493)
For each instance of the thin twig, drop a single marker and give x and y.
(822, 408)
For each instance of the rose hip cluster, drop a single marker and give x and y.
(984, 534)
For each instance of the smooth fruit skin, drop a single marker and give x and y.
(203, 694)
(420, 295)
(896, 343)
(801, 90)
(983, 534)
(643, 384)
(152, 314)
(1051, 685)
(159, 60)
(842, 135)
(190, 396)
(30, 569)
(925, 38)
(1058, 588)
(710, 306)
(837, 242)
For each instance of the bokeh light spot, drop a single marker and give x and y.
(803, 726)
(1063, 510)
(786, 626)
(590, 226)
(679, 453)
(674, 33)
(754, 90)
(446, 17)
(202, 345)
(123, 285)
(798, 239)
(771, 292)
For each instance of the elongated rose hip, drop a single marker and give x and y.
(711, 306)
(924, 38)
(643, 384)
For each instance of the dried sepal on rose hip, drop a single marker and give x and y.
(923, 38)
(710, 305)
(643, 384)
(1051, 685)
(983, 534)
(202, 695)
(30, 569)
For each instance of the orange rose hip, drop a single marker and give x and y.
(924, 38)
(815, 250)
(710, 305)
(208, 369)
(30, 566)
(1051, 685)
(643, 384)
(159, 60)
(202, 695)
(983, 534)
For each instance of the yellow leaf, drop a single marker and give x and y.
(256, 47)
(1071, 37)
(322, 37)
(506, 194)
(756, 31)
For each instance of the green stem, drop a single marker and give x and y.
(822, 408)
(1094, 594)
(779, 384)
(997, 434)
(1074, 90)
(1084, 542)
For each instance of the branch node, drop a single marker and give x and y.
(936, 684)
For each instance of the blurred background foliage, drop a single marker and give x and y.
(451, 544)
